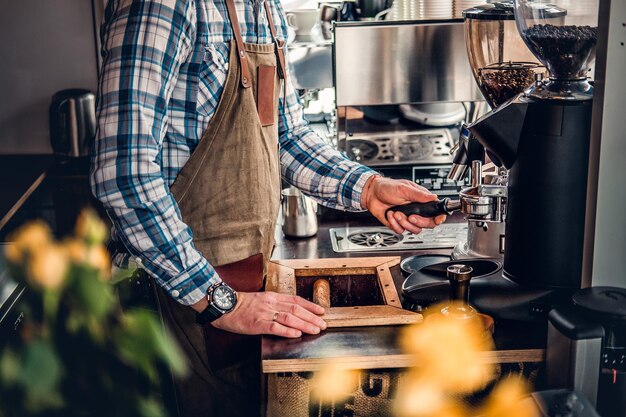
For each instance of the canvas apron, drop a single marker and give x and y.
(228, 193)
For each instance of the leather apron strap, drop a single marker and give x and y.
(280, 52)
(241, 53)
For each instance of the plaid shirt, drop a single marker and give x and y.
(164, 67)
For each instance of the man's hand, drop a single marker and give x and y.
(381, 193)
(272, 313)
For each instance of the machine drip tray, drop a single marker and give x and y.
(369, 239)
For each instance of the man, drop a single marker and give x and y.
(196, 126)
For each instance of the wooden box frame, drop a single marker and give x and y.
(282, 276)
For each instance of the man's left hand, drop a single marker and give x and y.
(381, 193)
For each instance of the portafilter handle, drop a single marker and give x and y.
(430, 209)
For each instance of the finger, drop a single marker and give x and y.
(308, 305)
(404, 222)
(277, 329)
(293, 322)
(440, 219)
(417, 194)
(393, 223)
(416, 185)
(302, 314)
(419, 221)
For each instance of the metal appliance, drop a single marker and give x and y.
(401, 96)
(502, 67)
(11, 316)
(586, 349)
(299, 214)
(72, 122)
(542, 137)
(368, 239)
(559, 403)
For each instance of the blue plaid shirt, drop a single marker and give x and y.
(163, 72)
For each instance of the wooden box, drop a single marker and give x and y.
(362, 291)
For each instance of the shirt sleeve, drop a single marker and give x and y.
(315, 167)
(144, 44)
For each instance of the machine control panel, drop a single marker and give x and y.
(435, 179)
(614, 358)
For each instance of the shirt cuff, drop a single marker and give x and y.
(351, 187)
(192, 285)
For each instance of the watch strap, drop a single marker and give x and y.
(209, 314)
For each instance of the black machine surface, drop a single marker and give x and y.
(491, 292)
(561, 403)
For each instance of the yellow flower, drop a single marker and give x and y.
(98, 257)
(29, 238)
(13, 253)
(48, 267)
(90, 227)
(76, 250)
(334, 382)
(506, 400)
(419, 397)
(448, 352)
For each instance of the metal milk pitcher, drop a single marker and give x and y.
(299, 214)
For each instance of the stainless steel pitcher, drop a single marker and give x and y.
(72, 122)
(299, 214)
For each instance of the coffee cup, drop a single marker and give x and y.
(304, 22)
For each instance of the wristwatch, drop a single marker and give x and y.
(222, 299)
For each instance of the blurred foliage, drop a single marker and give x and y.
(78, 354)
(450, 371)
(450, 356)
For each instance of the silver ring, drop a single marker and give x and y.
(275, 316)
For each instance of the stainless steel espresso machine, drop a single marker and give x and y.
(402, 90)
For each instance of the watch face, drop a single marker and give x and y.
(223, 298)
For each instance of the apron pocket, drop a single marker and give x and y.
(265, 94)
(212, 77)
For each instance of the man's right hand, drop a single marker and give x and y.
(272, 313)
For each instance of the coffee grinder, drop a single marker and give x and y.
(542, 137)
(503, 67)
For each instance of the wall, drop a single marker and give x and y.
(608, 222)
(45, 46)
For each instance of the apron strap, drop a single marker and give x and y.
(280, 51)
(241, 53)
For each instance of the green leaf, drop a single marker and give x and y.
(169, 350)
(143, 342)
(40, 376)
(95, 295)
(120, 274)
(149, 407)
(9, 367)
